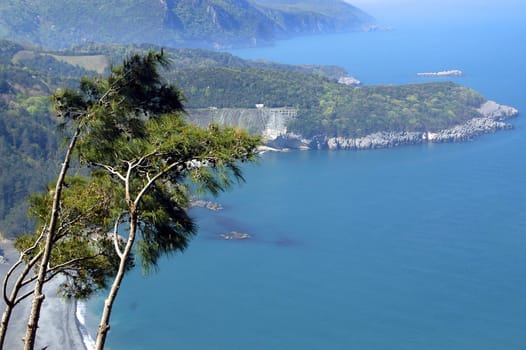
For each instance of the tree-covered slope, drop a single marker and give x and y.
(329, 108)
(29, 139)
(208, 23)
(191, 58)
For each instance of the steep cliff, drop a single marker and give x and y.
(269, 122)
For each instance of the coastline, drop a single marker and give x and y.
(59, 327)
(491, 120)
(80, 311)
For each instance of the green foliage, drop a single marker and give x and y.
(355, 112)
(181, 154)
(246, 87)
(36, 105)
(29, 141)
(28, 149)
(165, 226)
(83, 249)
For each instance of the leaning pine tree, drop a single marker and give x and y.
(134, 90)
(82, 257)
(141, 146)
(76, 108)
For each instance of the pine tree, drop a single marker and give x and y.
(137, 145)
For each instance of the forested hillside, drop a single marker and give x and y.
(29, 139)
(188, 23)
(195, 58)
(329, 108)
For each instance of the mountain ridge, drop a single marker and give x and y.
(174, 23)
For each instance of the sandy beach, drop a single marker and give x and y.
(58, 327)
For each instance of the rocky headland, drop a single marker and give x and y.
(492, 116)
(271, 123)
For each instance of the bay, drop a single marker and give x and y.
(419, 247)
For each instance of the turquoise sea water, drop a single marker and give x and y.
(420, 247)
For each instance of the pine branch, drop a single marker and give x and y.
(19, 261)
(116, 238)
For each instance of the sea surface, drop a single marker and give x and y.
(418, 247)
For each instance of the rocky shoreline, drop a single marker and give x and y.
(444, 73)
(199, 203)
(492, 116)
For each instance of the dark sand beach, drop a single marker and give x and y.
(58, 328)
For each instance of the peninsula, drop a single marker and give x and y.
(490, 118)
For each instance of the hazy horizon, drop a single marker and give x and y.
(439, 10)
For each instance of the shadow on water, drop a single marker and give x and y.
(286, 242)
(234, 230)
(281, 242)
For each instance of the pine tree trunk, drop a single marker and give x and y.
(104, 324)
(10, 303)
(5, 321)
(38, 296)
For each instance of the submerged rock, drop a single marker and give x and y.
(214, 206)
(234, 235)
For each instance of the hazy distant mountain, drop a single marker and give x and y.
(209, 23)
